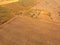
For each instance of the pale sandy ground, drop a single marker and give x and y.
(51, 6)
(29, 31)
(2, 2)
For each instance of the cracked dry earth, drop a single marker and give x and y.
(29, 31)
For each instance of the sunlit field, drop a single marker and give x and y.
(4, 2)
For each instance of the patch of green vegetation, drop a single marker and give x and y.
(5, 14)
